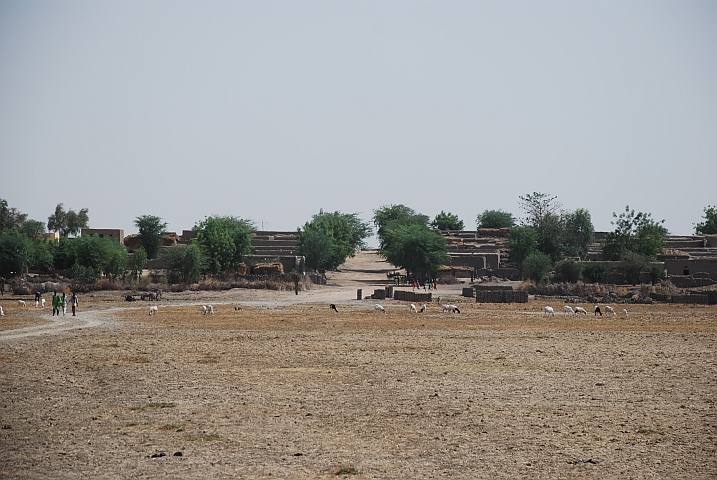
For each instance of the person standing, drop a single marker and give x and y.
(64, 304)
(74, 302)
(56, 303)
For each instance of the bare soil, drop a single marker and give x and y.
(287, 388)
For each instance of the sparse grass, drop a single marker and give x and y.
(208, 359)
(136, 360)
(203, 437)
(648, 431)
(172, 427)
(347, 471)
(154, 405)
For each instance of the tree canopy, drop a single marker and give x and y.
(637, 233)
(151, 229)
(577, 232)
(494, 219)
(709, 226)
(67, 222)
(391, 216)
(416, 248)
(224, 242)
(447, 221)
(521, 243)
(329, 238)
(542, 215)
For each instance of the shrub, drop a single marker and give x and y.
(567, 271)
(594, 272)
(536, 266)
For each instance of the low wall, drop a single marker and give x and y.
(406, 296)
(687, 299)
(501, 296)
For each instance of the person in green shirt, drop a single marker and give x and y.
(56, 303)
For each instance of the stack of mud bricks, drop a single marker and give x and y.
(412, 296)
(501, 296)
(379, 294)
(706, 298)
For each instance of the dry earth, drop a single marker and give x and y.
(288, 389)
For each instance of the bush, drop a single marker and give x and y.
(536, 266)
(594, 272)
(567, 271)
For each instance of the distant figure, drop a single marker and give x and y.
(74, 301)
(435, 285)
(64, 304)
(414, 285)
(597, 310)
(56, 303)
(333, 307)
(2, 286)
(38, 296)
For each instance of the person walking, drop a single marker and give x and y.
(74, 301)
(56, 303)
(64, 304)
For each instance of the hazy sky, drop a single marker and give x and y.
(272, 110)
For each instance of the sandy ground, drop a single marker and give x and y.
(286, 388)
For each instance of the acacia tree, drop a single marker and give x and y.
(185, 264)
(15, 254)
(709, 226)
(495, 219)
(521, 243)
(10, 217)
(633, 232)
(68, 222)
(447, 221)
(416, 248)
(390, 216)
(577, 232)
(330, 238)
(151, 229)
(224, 242)
(542, 215)
(136, 263)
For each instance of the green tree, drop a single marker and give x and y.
(495, 219)
(521, 243)
(709, 226)
(97, 256)
(224, 242)
(567, 271)
(33, 229)
(447, 221)
(68, 222)
(637, 233)
(151, 228)
(542, 215)
(536, 266)
(594, 272)
(330, 238)
(15, 254)
(185, 264)
(632, 264)
(577, 232)
(10, 217)
(390, 216)
(136, 263)
(42, 257)
(416, 248)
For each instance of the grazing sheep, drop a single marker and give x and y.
(204, 309)
(333, 307)
(624, 311)
(597, 310)
(210, 309)
(451, 308)
(568, 310)
(580, 310)
(153, 309)
(378, 309)
(413, 309)
(21, 303)
(423, 308)
(2, 314)
(37, 303)
(237, 308)
(608, 309)
(549, 311)
(42, 303)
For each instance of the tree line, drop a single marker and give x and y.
(547, 237)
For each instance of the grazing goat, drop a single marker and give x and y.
(153, 309)
(210, 309)
(37, 303)
(42, 302)
(580, 310)
(608, 309)
(451, 308)
(21, 303)
(130, 298)
(413, 309)
(204, 309)
(423, 308)
(378, 309)
(333, 307)
(549, 311)
(597, 310)
(2, 314)
(237, 308)
(624, 311)
(568, 310)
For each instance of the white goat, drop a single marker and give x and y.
(378, 309)
(2, 314)
(153, 309)
(37, 304)
(580, 310)
(413, 309)
(568, 310)
(549, 311)
(204, 310)
(608, 309)
(451, 308)
(21, 303)
(624, 311)
(42, 302)
(423, 308)
(210, 309)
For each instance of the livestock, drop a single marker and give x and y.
(568, 310)
(549, 311)
(2, 314)
(37, 304)
(42, 302)
(153, 309)
(451, 308)
(423, 308)
(624, 311)
(378, 309)
(21, 303)
(413, 309)
(204, 309)
(237, 308)
(597, 310)
(608, 309)
(580, 310)
(149, 296)
(130, 298)
(333, 307)
(210, 310)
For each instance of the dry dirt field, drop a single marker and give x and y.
(288, 389)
